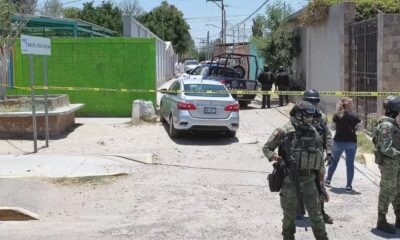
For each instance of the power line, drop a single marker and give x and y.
(258, 9)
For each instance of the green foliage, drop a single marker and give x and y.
(277, 15)
(369, 8)
(7, 9)
(279, 45)
(258, 26)
(25, 6)
(106, 15)
(131, 7)
(71, 12)
(52, 8)
(317, 10)
(167, 22)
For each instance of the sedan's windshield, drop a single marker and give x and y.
(191, 62)
(201, 90)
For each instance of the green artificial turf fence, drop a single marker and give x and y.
(128, 63)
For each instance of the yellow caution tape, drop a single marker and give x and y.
(232, 91)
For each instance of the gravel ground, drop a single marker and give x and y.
(201, 187)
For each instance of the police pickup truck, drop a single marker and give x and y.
(236, 72)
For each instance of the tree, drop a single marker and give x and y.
(106, 15)
(132, 8)
(71, 12)
(277, 15)
(9, 31)
(25, 6)
(278, 46)
(167, 22)
(258, 26)
(52, 8)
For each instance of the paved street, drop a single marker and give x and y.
(198, 187)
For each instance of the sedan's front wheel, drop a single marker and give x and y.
(173, 132)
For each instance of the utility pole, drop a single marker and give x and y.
(208, 46)
(223, 18)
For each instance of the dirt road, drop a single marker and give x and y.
(201, 187)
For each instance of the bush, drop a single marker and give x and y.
(317, 10)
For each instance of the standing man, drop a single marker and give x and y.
(306, 146)
(387, 142)
(266, 79)
(282, 82)
(320, 123)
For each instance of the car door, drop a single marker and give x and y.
(170, 100)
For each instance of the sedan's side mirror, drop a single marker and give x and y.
(163, 90)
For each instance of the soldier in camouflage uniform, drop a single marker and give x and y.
(307, 150)
(387, 142)
(320, 123)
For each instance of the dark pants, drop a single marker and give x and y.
(266, 99)
(283, 88)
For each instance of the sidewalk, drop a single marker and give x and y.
(58, 165)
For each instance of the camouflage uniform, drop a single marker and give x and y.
(306, 161)
(321, 125)
(388, 143)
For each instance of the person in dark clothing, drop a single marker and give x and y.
(345, 140)
(266, 80)
(282, 82)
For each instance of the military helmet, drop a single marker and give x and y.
(392, 103)
(311, 96)
(304, 111)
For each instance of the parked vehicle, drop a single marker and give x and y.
(236, 72)
(197, 110)
(190, 64)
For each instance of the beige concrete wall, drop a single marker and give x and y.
(324, 58)
(388, 55)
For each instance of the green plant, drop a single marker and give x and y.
(277, 45)
(317, 10)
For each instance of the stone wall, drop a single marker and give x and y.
(388, 55)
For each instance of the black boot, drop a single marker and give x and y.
(383, 225)
(327, 219)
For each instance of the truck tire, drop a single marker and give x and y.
(244, 104)
(231, 134)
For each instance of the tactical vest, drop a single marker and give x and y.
(307, 149)
(395, 137)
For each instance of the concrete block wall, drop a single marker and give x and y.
(324, 59)
(388, 55)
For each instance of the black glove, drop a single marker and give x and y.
(328, 159)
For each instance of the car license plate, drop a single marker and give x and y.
(210, 110)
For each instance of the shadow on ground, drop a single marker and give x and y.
(28, 136)
(343, 191)
(378, 233)
(203, 138)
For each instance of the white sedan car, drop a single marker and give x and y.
(187, 106)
